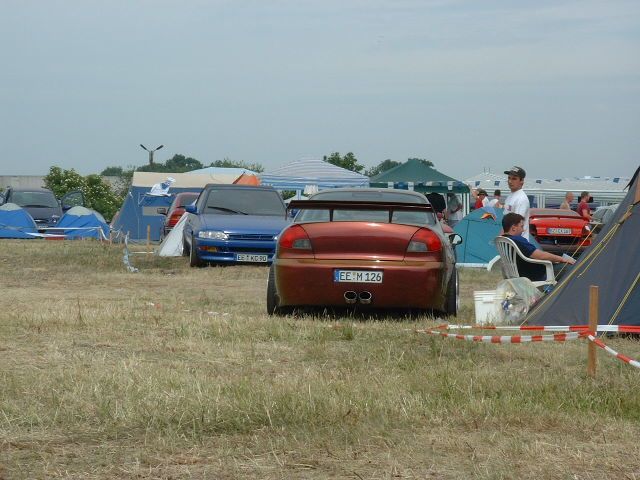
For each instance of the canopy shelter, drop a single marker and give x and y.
(141, 210)
(81, 222)
(15, 222)
(612, 263)
(416, 175)
(311, 175)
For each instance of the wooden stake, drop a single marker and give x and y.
(148, 238)
(593, 328)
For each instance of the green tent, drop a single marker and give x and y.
(416, 175)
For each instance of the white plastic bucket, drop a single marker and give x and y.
(488, 308)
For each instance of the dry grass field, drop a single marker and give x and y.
(176, 373)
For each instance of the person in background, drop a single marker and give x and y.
(568, 198)
(495, 201)
(482, 200)
(454, 209)
(513, 226)
(517, 201)
(583, 207)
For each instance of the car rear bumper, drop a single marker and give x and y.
(557, 248)
(405, 284)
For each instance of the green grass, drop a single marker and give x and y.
(175, 372)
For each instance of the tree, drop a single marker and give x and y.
(180, 163)
(428, 163)
(349, 161)
(383, 166)
(228, 163)
(98, 195)
(176, 164)
(112, 172)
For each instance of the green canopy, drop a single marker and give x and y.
(423, 177)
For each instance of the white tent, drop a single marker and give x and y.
(304, 174)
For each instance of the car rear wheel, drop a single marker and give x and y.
(273, 301)
(452, 303)
(194, 260)
(272, 294)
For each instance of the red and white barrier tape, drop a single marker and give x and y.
(556, 337)
(547, 328)
(611, 351)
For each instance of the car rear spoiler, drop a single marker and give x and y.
(333, 205)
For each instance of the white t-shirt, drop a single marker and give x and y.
(518, 202)
(493, 202)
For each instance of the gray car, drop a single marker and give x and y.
(42, 204)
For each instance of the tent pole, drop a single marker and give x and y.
(593, 329)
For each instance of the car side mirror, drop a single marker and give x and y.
(162, 210)
(455, 239)
(190, 208)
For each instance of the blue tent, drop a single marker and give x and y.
(478, 229)
(80, 222)
(15, 222)
(140, 208)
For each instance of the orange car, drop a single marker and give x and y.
(559, 231)
(370, 248)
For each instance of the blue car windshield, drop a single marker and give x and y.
(244, 202)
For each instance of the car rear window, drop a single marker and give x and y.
(183, 200)
(244, 201)
(378, 216)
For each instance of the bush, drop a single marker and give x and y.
(98, 195)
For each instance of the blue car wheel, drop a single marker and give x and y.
(194, 260)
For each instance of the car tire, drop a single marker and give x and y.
(452, 302)
(194, 260)
(272, 294)
(185, 248)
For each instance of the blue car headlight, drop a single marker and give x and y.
(213, 235)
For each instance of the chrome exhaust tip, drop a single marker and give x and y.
(365, 297)
(350, 296)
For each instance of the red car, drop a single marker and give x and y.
(177, 209)
(374, 248)
(559, 231)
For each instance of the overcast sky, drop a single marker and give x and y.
(552, 86)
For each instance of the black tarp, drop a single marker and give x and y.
(612, 263)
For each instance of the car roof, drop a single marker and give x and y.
(236, 187)
(46, 190)
(371, 194)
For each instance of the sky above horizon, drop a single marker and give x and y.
(552, 86)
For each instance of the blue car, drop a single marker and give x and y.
(233, 224)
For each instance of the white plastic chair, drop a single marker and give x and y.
(509, 252)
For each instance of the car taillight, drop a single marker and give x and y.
(294, 238)
(424, 241)
(175, 216)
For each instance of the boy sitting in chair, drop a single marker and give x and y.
(513, 225)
